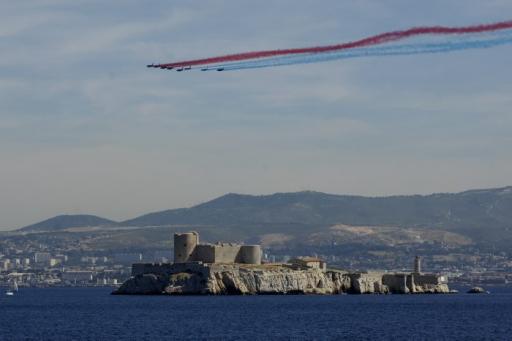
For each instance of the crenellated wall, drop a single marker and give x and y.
(227, 253)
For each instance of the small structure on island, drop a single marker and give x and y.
(309, 262)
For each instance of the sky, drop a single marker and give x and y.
(86, 128)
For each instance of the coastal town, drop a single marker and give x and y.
(48, 261)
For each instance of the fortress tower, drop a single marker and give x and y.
(250, 254)
(184, 246)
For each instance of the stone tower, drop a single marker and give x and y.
(184, 246)
(417, 265)
(250, 254)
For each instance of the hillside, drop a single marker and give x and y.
(481, 215)
(467, 228)
(62, 222)
(478, 213)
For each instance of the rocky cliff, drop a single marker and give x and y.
(246, 280)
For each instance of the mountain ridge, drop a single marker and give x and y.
(318, 207)
(478, 212)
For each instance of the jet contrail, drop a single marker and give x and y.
(330, 51)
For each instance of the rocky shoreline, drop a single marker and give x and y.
(271, 279)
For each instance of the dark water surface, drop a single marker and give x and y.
(93, 314)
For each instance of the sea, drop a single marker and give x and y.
(94, 314)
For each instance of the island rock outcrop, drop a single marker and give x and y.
(230, 279)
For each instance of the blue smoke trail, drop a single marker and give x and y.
(462, 43)
(409, 49)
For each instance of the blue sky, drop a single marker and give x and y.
(86, 128)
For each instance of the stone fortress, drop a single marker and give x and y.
(226, 268)
(188, 249)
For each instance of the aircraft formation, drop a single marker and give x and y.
(416, 40)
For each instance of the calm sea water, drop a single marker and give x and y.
(93, 314)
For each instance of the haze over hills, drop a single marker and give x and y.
(479, 214)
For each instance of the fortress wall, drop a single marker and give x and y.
(227, 253)
(250, 254)
(205, 253)
(195, 267)
(184, 246)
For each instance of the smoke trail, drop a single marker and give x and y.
(370, 41)
(393, 50)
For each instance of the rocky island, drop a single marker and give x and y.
(232, 269)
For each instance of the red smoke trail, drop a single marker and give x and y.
(374, 40)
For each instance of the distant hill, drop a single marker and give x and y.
(479, 213)
(62, 222)
(465, 209)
